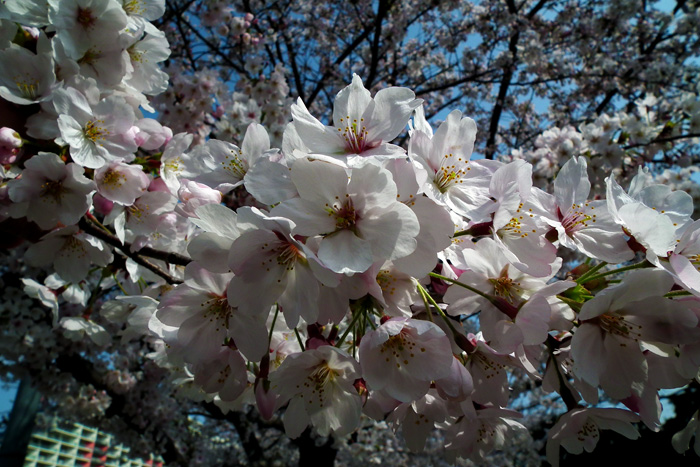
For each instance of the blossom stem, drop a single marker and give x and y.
(677, 293)
(357, 316)
(301, 343)
(445, 318)
(572, 303)
(119, 284)
(584, 277)
(456, 282)
(272, 328)
(425, 303)
(643, 264)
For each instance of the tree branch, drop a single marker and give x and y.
(168, 257)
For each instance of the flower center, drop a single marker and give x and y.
(448, 174)
(577, 218)
(113, 179)
(288, 256)
(85, 18)
(354, 134)
(345, 216)
(90, 57)
(322, 375)
(52, 189)
(401, 349)
(235, 164)
(27, 86)
(94, 132)
(616, 324)
(217, 309)
(505, 287)
(134, 7)
(386, 281)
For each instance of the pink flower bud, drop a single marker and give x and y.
(157, 184)
(151, 135)
(265, 399)
(102, 205)
(218, 112)
(194, 195)
(10, 142)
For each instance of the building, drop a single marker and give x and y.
(67, 444)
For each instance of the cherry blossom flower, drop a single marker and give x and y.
(684, 261)
(10, 142)
(52, 191)
(121, 183)
(80, 22)
(205, 320)
(75, 327)
(359, 218)
(581, 224)
(681, 440)
(618, 320)
(223, 165)
(225, 374)
(480, 431)
(71, 252)
(417, 419)
(269, 258)
(403, 356)
(652, 213)
(362, 125)
(96, 135)
(27, 78)
(579, 430)
(319, 387)
(451, 179)
(193, 195)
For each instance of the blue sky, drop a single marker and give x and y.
(7, 397)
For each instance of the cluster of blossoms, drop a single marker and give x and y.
(621, 143)
(336, 275)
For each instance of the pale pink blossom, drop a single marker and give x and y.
(403, 356)
(52, 191)
(579, 430)
(121, 183)
(358, 216)
(318, 384)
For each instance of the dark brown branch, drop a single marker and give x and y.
(168, 257)
(382, 10)
(490, 150)
(295, 67)
(211, 46)
(667, 139)
(348, 50)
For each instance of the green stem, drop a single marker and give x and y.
(643, 264)
(301, 343)
(119, 284)
(456, 282)
(357, 316)
(678, 293)
(272, 328)
(590, 272)
(442, 314)
(425, 303)
(572, 303)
